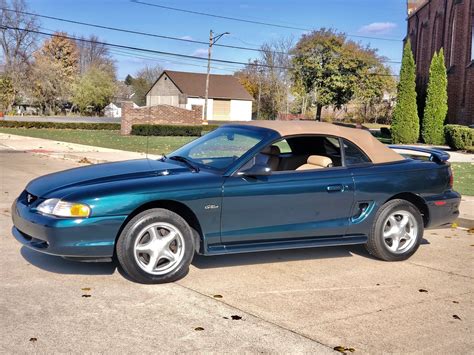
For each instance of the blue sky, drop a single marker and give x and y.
(376, 18)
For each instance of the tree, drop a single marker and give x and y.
(149, 73)
(267, 79)
(374, 83)
(94, 90)
(328, 67)
(142, 82)
(436, 108)
(7, 93)
(17, 45)
(405, 122)
(54, 72)
(94, 53)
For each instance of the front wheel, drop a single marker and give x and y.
(156, 246)
(397, 231)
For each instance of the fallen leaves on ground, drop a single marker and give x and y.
(343, 349)
(85, 161)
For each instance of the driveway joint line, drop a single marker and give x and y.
(390, 309)
(258, 317)
(443, 271)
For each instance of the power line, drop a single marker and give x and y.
(138, 49)
(239, 19)
(124, 30)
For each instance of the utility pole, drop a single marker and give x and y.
(212, 40)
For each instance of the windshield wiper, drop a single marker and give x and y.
(186, 161)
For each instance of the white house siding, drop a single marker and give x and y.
(240, 110)
(198, 101)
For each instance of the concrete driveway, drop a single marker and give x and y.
(298, 301)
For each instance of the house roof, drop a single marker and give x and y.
(375, 150)
(220, 86)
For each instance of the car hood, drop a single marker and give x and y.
(102, 173)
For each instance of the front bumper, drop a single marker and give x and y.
(443, 209)
(92, 237)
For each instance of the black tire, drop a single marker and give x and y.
(378, 246)
(127, 240)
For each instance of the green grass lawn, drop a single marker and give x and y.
(464, 178)
(463, 172)
(106, 139)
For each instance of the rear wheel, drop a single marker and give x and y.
(397, 231)
(156, 246)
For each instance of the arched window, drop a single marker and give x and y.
(472, 37)
(452, 35)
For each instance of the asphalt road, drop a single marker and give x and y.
(298, 301)
(64, 119)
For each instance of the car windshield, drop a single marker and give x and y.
(220, 148)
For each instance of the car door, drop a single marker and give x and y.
(286, 205)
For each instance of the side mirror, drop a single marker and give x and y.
(256, 170)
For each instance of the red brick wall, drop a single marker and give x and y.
(160, 114)
(429, 29)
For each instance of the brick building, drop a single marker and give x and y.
(447, 24)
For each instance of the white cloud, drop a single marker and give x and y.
(200, 52)
(188, 38)
(378, 28)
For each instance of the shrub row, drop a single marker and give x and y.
(170, 130)
(458, 137)
(61, 125)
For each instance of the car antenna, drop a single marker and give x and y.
(146, 154)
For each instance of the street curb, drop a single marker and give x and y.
(465, 223)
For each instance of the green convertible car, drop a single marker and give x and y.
(241, 188)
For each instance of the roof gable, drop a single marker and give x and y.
(220, 86)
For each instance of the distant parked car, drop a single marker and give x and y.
(241, 188)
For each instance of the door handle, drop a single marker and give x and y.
(335, 188)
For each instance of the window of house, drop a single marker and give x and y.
(452, 37)
(472, 39)
(353, 155)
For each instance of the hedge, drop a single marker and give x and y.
(61, 125)
(170, 130)
(458, 137)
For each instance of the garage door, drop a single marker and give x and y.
(221, 110)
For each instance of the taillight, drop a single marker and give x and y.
(451, 177)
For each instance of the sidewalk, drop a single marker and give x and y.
(70, 151)
(454, 157)
(96, 155)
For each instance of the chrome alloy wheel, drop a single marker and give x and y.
(159, 248)
(400, 231)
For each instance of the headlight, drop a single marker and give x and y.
(56, 207)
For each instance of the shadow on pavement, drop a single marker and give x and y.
(59, 265)
(267, 257)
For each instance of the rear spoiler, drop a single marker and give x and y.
(435, 155)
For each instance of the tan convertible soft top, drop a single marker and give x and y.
(375, 150)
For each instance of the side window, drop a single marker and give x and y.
(283, 146)
(353, 155)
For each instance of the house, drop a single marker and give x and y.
(115, 109)
(228, 99)
(447, 24)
